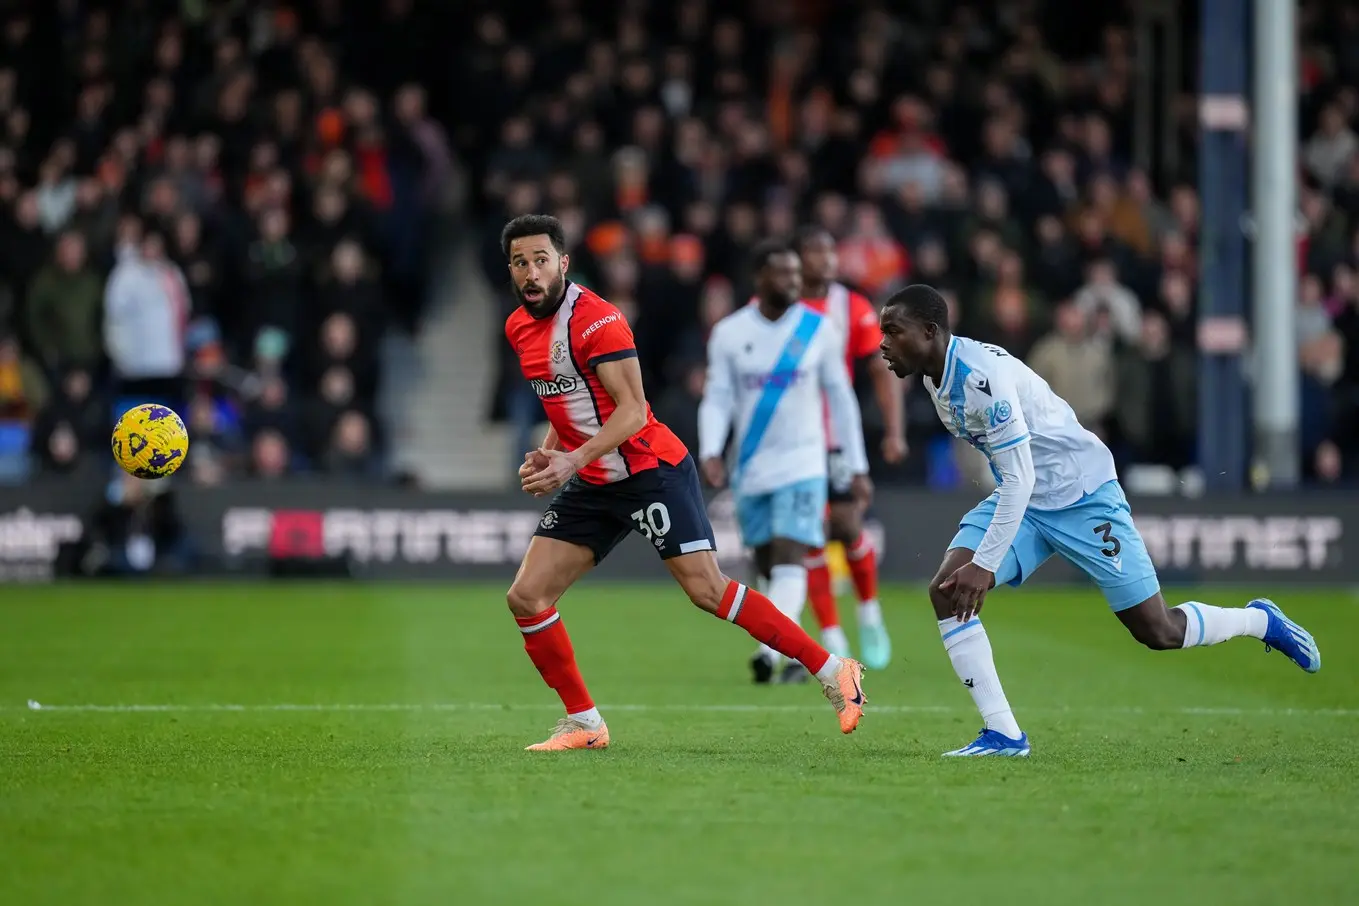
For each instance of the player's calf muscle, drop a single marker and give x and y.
(1154, 625)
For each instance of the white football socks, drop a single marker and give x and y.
(787, 588)
(1205, 624)
(970, 651)
(764, 652)
(869, 613)
(833, 639)
(592, 718)
(827, 672)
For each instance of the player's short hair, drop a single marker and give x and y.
(810, 233)
(921, 303)
(766, 249)
(534, 225)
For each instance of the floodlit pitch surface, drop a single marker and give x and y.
(346, 744)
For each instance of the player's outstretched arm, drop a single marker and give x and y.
(844, 413)
(715, 412)
(891, 397)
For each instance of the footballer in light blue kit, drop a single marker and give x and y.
(1058, 493)
(768, 365)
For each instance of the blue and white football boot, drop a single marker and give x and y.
(991, 742)
(1288, 638)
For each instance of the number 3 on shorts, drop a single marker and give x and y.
(653, 521)
(1106, 533)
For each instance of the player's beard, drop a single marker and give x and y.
(552, 295)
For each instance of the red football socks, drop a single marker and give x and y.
(549, 647)
(758, 616)
(819, 590)
(863, 568)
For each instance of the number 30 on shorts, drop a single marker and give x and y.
(653, 521)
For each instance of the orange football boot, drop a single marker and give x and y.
(571, 734)
(846, 693)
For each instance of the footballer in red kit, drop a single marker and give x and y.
(857, 319)
(612, 469)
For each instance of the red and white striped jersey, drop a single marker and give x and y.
(559, 353)
(856, 322)
(855, 318)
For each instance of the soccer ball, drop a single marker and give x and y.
(150, 441)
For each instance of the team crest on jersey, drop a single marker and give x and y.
(549, 520)
(956, 413)
(558, 352)
(998, 413)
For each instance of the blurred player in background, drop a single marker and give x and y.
(613, 470)
(856, 322)
(770, 365)
(1058, 494)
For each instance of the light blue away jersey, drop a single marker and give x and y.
(995, 402)
(767, 379)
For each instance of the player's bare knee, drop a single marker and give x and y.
(701, 579)
(939, 599)
(706, 592)
(845, 527)
(524, 602)
(786, 552)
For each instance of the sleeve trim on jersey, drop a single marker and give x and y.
(617, 356)
(1009, 444)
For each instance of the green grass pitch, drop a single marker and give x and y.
(164, 767)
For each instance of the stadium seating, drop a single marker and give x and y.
(236, 207)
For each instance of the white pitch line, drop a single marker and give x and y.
(328, 707)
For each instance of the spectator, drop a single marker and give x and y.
(1103, 292)
(869, 257)
(1331, 148)
(64, 309)
(269, 455)
(71, 426)
(350, 453)
(1157, 409)
(146, 308)
(22, 388)
(273, 274)
(1078, 366)
(23, 247)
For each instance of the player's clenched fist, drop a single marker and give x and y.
(534, 461)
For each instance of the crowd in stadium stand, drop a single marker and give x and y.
(223, 203)
(986, 149)
(211, 206)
